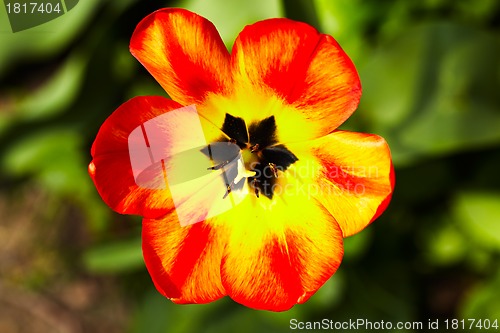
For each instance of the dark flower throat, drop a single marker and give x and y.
(260, 138)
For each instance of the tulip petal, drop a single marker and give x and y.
(279, 251)
(184, 53)
(129, 170)
(350, 173)
(305, 69)
(184, 262)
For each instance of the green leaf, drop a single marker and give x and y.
(445, 246)
(433, 91)
(54, 158)
(153, 315)
(483, 302)
(115, 257)
(54, 96)
(157, 314)
(302, 10)
(346, 21)
(329, 295)
(44, 40)
(356, 245)
(43, 150)
(230, 17)
(478, 214)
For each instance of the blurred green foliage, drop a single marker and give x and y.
(431, 78)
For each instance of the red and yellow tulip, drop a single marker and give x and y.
(302, 185)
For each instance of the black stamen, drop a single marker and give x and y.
(254, 185)
(263, 132)
(217, 167)
(236, 129)
(280, 156)
(274, 169)
(261, 138)
(229, 189)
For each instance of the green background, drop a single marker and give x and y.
(430, 71)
